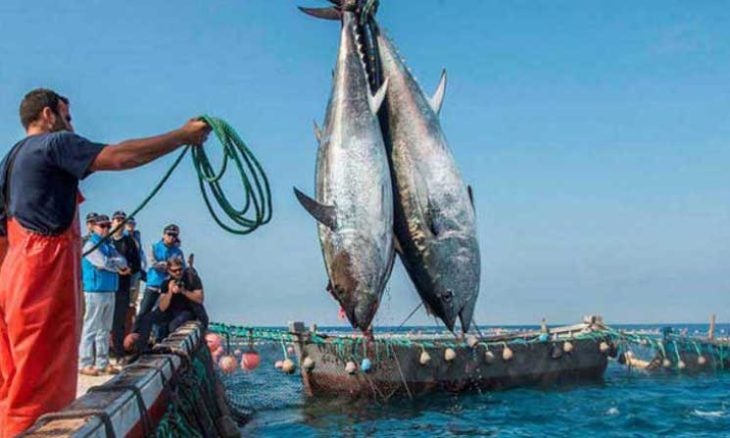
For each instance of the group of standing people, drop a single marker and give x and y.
(113, 268)
(40, 251)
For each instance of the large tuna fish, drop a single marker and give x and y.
(434, 211)
(354, 200)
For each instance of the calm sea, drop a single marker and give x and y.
(623, 405)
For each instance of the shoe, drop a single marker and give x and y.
(111, 369)
(89, 371)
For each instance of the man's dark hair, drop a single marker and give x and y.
(34, 102)
(175, 262)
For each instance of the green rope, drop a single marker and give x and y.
(256, 208)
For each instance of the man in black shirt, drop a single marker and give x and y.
(127, 247)
(181, 297)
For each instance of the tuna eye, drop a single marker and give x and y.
(447, 296)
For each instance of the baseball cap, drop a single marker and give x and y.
(172, 229)
(119, 215)
(102, 219)
(91, 217)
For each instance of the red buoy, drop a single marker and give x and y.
(228, 364)
(213, 341)
(250, 360)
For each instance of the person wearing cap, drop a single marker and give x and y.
(40, 245)
(134, 291)
(101, 269)
(126, 246)
(90, 219)
(161, 253)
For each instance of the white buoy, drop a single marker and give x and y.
(604, 347)
(351, 367)
(681, 365)
(507, 354)
(308, 363)
(567, 346)
(449, 355)
(288, 366)
(425, 357)
(666, 363)
(489, 356)
(278, 364)
(701, 360)
(472, 341)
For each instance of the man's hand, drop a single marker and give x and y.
(124, 271)
(130, 341)
(194, 132)
(173, 287)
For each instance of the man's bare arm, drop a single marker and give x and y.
(134, 153)
(194, 295)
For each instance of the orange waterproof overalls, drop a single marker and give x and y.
(39, 325)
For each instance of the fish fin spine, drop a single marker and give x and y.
(324, 214)
(437, 99)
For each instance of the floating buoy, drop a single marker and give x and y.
(544, 337)
(308, 363)
(604, 347)
(213, 341)
(250, 360)
(449, 355)
(341, 314)
(567, 346)
(425, 357)
(681, 365)
(701, 360)
(489, 356)
(237, 352)
(228, 364)
(666, 363)
(472, 341)
(278, 364)
(366, 365)
(350, 367)
(507, 354)
(218, 353)
(288, 366)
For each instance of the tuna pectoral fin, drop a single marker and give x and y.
(438, 97)
(471, 196)
(324, 13)
(377, 100)
(325, 214)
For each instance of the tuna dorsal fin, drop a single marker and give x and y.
(317, 131)
(438, 97)
(325, 214)
(377, 99)
(324, 13)
(471, 196)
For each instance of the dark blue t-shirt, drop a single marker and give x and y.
(45, 178)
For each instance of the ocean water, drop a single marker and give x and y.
(625, 404)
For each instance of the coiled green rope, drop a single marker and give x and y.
(256, 205)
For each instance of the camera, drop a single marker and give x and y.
(179, 283)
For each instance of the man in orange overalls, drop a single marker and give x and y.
(41, 247)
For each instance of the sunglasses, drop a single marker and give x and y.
(172, 234)
(106, 226)
(175, 271)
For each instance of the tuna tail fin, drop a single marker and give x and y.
(325, 214)
(438, 96)
(377, 99)
(323, 13)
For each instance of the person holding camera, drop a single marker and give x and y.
(181, 297)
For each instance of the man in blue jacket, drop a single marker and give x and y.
(100, 269)
(161, 253)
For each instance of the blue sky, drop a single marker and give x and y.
(596, 136)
